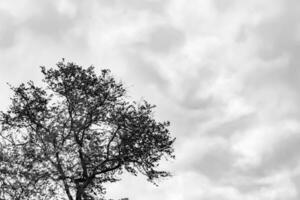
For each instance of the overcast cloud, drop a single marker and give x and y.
(224, 72)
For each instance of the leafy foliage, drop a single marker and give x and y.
(75, 134)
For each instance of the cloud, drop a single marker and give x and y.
(225, 73)
(276, 40)
(217, 163)
(145, 71)
(223, 5)
(234, 126)
(164, 39)
(138, 5)
(8, 30)
(48, 21)
(281, 155)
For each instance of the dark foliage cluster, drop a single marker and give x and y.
(78, 132)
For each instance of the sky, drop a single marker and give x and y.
(224, 72)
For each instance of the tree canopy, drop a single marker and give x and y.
(77, 131)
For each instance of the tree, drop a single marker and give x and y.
(75, 133)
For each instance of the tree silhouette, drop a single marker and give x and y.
(66, 139)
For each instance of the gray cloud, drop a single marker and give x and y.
(193, 103)
(217, 163)
(219, 69)
(279, 33)
(138, 5)
(296, 180)
(193, 87)
(249, 186)
(242, 34)
(234, 126)
(279, 38)
(48, 21)
(165, 38)
(284, 156)
(8, 30)
(161, 39)
(223, 5)
(145, 71)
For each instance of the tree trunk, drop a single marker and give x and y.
(78, 195)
